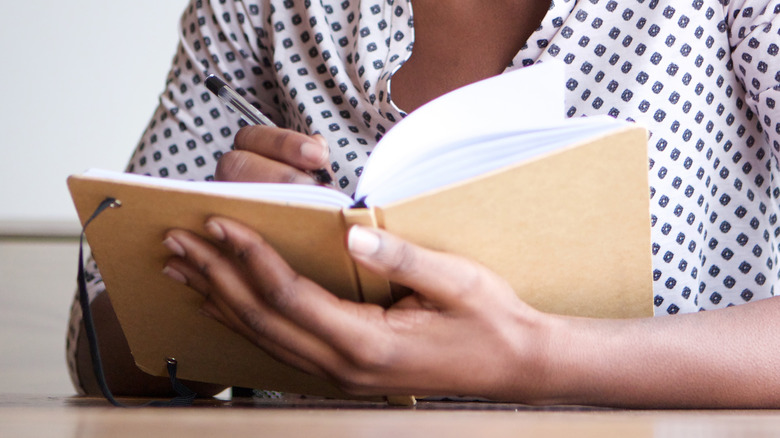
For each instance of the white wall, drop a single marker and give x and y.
(79, 80)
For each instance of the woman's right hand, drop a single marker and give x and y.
(275, 155)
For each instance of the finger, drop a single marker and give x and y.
(182, 272)
(444, 279)
(220, 311)
(179, 269)
(215, 307)
(268, 329)
(243, 166)
(323, 175)
(286, 146)
(349, 327)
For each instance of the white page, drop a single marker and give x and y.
(459, 164)
(526, 98)
(281, 193)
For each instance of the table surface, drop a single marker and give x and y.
(33, 316)
(35, 415)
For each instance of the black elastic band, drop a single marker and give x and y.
(186, 396)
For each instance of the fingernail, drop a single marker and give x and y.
(313, 153)
(174, 246)
(215, 230)
(362, 241)
(174, 274)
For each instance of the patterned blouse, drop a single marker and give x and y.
(702, 75)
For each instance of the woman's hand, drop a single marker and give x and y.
(276, 155)
(463, 331)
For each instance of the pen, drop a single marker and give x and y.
(236, 103)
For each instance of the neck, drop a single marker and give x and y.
(462, 41)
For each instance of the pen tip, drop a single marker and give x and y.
(322, 177)
(214, 83)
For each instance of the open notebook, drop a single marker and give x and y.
(492, 171)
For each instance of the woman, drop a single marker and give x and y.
(702, 76)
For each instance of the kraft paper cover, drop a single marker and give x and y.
(570, 230)
(160, 317)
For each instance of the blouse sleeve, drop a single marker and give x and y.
(754, 35)
(191, 129)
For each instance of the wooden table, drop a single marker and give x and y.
(33, 316)
(28, 416)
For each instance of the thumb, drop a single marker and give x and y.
(444, 279)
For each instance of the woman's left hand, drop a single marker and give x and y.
(462, 332)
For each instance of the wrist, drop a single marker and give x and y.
(531, 358)
(592, 361)
(564, 355)
(557, 360)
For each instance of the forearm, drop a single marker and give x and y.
(724, 358)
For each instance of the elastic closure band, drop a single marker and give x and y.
(185, 395)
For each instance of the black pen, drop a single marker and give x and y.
(236, 103)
